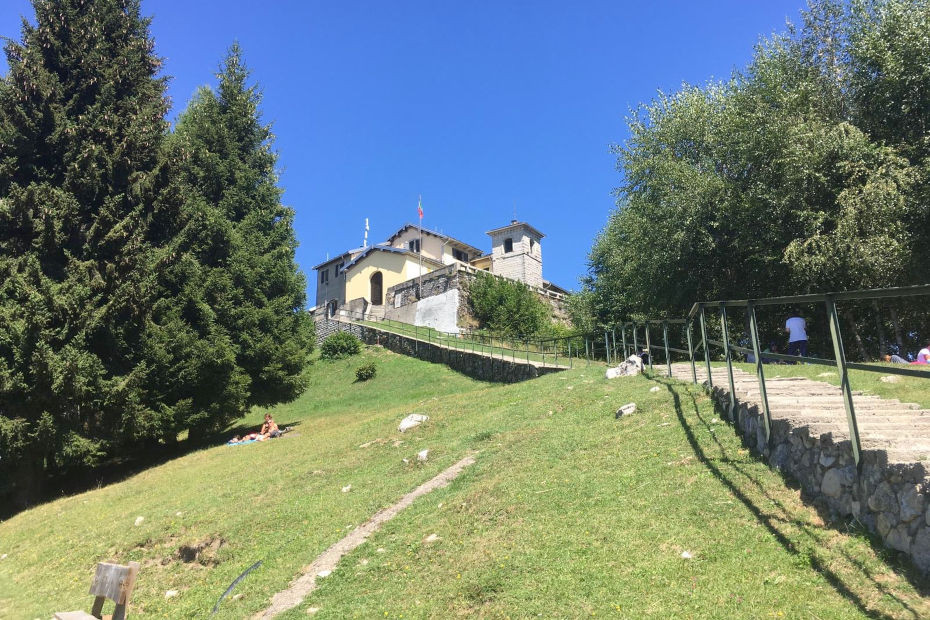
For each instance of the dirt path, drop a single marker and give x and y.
(327, 561)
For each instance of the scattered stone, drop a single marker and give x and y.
(139, 521)
(626, 409)
(431, 538)
(324, 573)
(655, 388)
(665, 424)
(412, 421)
(368, 444)
(178, 513)
(380, 550)
(827, 374)
(570, 387)
(632, 366)
(714, 420)
(347, 488)
(686, 555)
(363, 561)
(422, 455)
(171, 593)
(405, 460)
(3, 557)
(890, 379)
(236, 597)
(312, 610)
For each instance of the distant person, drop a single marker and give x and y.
(796, 327)
(772, 348)
(643, 356)
(894, 359)
(269, 428)
(923, 356)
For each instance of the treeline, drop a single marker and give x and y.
(147, 277)
(806, 171)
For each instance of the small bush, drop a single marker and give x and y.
(340, 345)
(366, 372)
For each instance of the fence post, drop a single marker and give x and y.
(668, 358)
(729, 358)
(623, 337)
(703, 317)
(607, 348)
(691, 351)
(756, 351)
(648, 346)
(570, 364)
(613, 337)
(635, 340)
(844, 378)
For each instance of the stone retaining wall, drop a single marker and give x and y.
(471, 364)
(889, 499)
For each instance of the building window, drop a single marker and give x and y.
(459, 255)
(324, 276)
(414, 246)
(339, 267)
(508, 245)
(532, 244)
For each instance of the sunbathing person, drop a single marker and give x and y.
(269, 428)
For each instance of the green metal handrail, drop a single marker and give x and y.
(698, 313)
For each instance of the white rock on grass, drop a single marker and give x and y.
(422, 455)
(655, 388)
(626, 409)
(324, 573)
(3, 557)
(686, 555)
(412, 421)
(347, 488)
(139, 521)
(312, 610)
(431, 538)
(890, 379)
(171, 593)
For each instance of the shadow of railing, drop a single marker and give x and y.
(775, 516)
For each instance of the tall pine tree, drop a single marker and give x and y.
(255, 286)
(81, 128)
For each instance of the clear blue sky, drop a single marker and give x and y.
(478, 106)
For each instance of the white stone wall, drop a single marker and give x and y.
(439, 312)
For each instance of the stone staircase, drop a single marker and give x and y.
(900, 430)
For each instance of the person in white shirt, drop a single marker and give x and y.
(796, 327)
(923, 356)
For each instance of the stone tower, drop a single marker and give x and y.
(516, 253)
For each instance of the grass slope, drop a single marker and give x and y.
(567, 512)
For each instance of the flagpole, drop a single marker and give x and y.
(420, 248)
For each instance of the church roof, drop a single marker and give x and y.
(471, 249)
(516, 224)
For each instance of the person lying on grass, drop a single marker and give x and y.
(269, 430)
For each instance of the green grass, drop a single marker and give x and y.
(566, 513)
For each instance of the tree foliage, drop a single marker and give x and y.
(137, 299)
(806, 171)
(506, 306)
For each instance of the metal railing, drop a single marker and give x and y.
(554, 352)
(699, 314)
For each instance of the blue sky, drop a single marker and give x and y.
(482, 107)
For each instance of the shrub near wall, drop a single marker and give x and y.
(340, 345)
(506, 306)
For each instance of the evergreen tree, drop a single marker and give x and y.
(253, 285)
(82, 216)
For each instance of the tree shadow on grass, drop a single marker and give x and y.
(806, 539)
(118, 470)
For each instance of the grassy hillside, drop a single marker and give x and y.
(567, 512)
